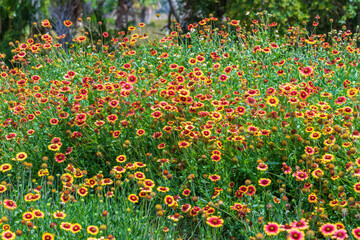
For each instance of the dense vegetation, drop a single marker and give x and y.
(216, 133)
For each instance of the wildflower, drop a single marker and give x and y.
(112, 118)
(68, 23)
(327, 229)
(214, 178)
(60, 157)
(45, 23)
(186, 192)
(139, 175)
(9, 204)
(133, 198)
(140, 132)
(315, 135)
(312, 198)
(163, 189)
(161, 146)
(215, 158)
(251, 190)
(65, 226)
(340, 234)
(356, 232)
(93, 230)
(214, 221)
(309, 150)
(295, 234)
(2, 188)
(28, 216)
(237, 207)
(5, 167)
(169, 200)
(306, 71)
(357, 187)
(262, 167)
(38, 214)
(286, 169)
(272, 101)
(185, 208)
(82, 191)
(183, 144)
(264, 182)
(223, 78)
(48, 236)
(149, 183)
(8, 235)
(21, 156)
(156, 114)
(64, 198)
(272, 229)
(121, 158)
(75, 228)
(81, 39)
(54, 121)
(300, 175)
(54, 147)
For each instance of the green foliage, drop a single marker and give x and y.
(202, 127)
(15, 17)
(294, 12)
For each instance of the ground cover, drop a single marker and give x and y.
(229, 131)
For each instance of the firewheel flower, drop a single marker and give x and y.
(8, 235)
(264, 182)
(214, 178)
(9, 204)
(45, 23)
(183, 144)
(48, 236)
(295, 234)
(169, 200)
(306, 71)
(272, 101)
(68, 23)
(214, 221)
(21, 156)
(301, 175)
(356, 233)
(272, 229)
(93, 230)
(133, 198)
(327, 229)
(341, 234)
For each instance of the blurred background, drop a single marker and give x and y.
(17, 16)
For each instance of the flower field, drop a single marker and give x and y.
(229, 131)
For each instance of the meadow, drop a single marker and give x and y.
(232, 130)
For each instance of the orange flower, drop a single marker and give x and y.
(133, 198)
(68, 23)
(45, 23)
(214, 221)
(81, 38)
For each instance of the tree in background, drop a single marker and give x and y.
(146, 7)
(15, 21)
(286, 12)
(61, 11)
(293, 12)
(16, 16)
(123, 11)
(188, 11)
